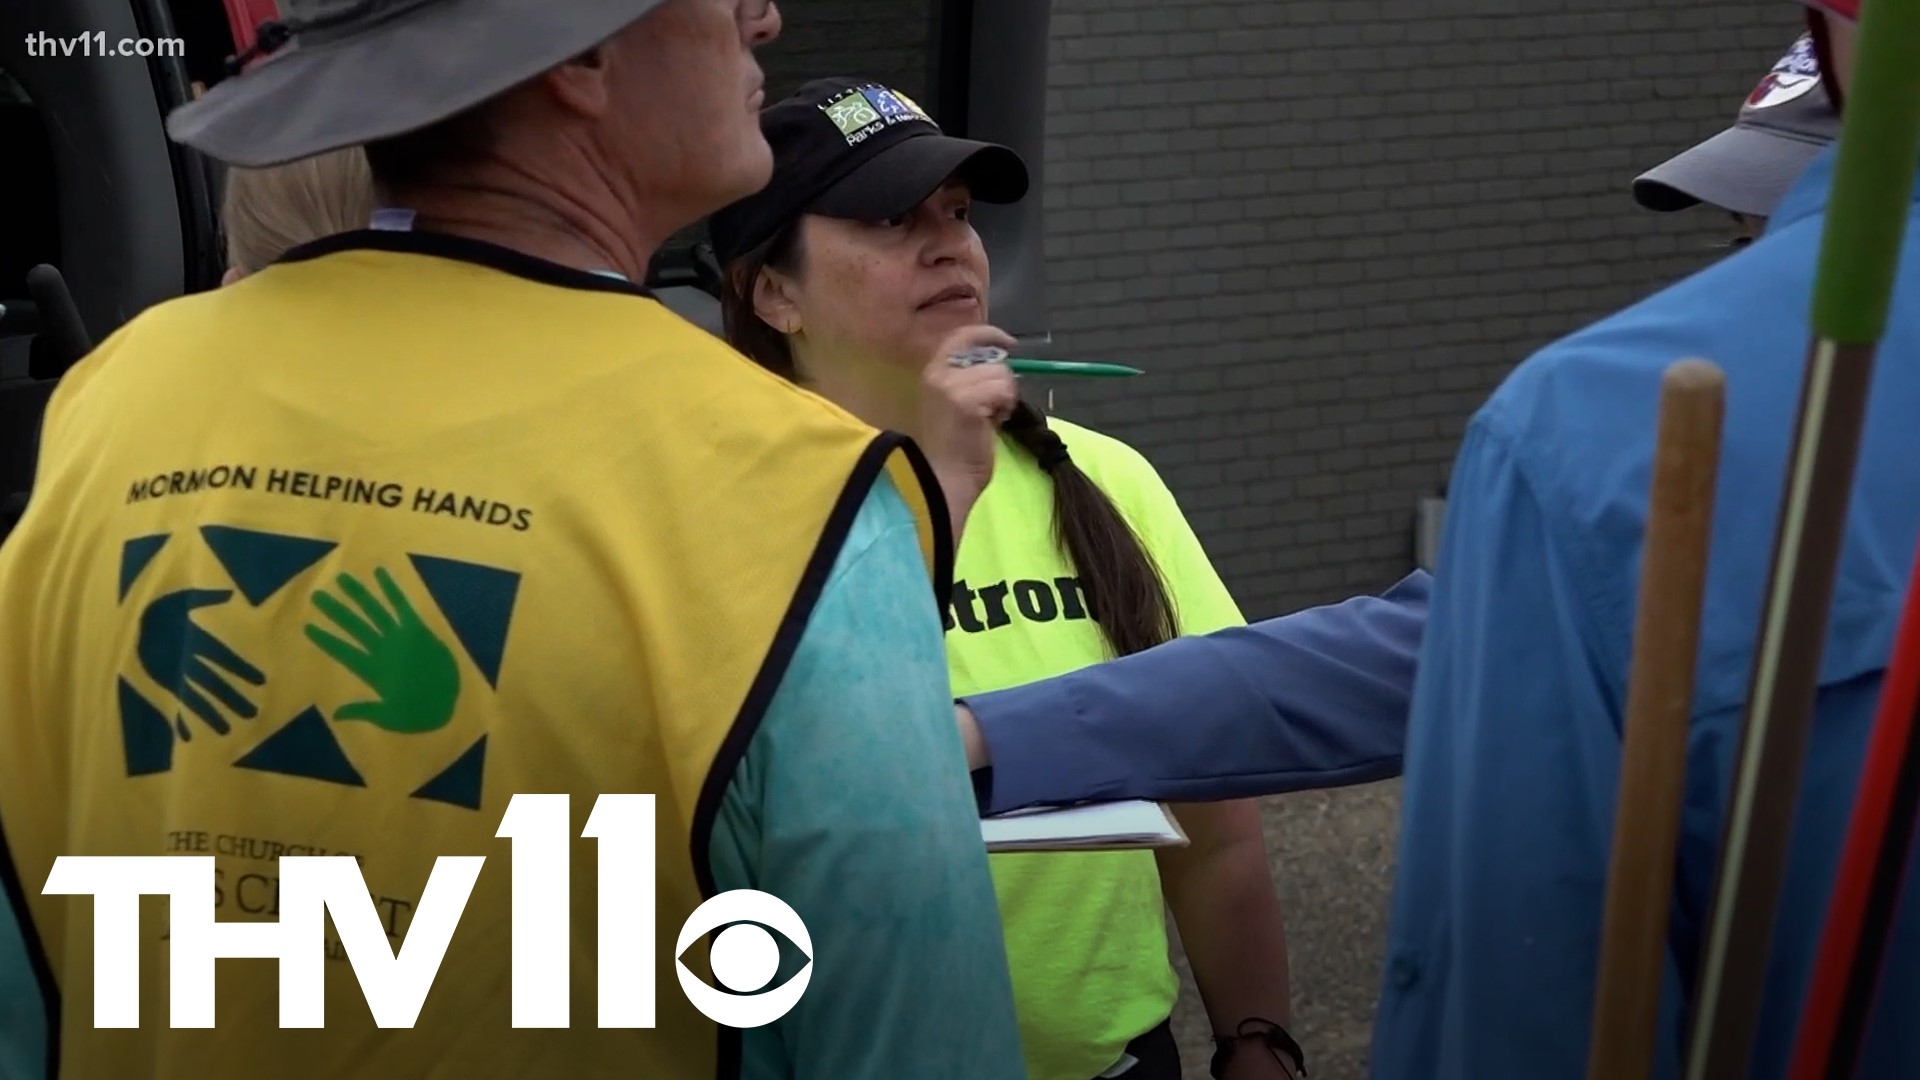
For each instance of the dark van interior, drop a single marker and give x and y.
(101, 215)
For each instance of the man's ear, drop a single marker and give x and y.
(580, 84)
(773, 301)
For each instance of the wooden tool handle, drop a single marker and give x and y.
(1666, 639)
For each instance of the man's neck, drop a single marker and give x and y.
(587, 228)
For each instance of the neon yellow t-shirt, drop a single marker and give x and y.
(1085, 932)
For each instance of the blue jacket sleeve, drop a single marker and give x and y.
(852, 805)
(1309, 700)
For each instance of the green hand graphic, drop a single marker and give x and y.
(411, 671)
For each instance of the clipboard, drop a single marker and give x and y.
(1127, 825)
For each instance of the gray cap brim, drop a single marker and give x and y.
(403, 73)
(1747, 170)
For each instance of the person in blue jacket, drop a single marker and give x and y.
(1512, 747)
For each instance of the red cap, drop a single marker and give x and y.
(1845, 9)
(244, 18)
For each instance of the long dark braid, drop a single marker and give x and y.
(1124, 589)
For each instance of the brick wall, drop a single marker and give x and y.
(889, 41)
(1329, 229)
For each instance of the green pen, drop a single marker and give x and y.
(992, 354)
(1080, 368)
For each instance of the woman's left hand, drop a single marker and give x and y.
(963, 410)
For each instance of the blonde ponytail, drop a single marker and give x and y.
(267, 211)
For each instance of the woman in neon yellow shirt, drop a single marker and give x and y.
(852, 267)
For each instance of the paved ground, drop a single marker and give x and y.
(1332, 855)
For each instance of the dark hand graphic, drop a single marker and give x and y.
(179, 655)
(412, 671)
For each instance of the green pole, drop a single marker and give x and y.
(1859, 252)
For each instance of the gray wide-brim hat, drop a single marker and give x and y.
(353, 71)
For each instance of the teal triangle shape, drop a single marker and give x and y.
(478, 603)
(305, 747)
(261, 562)
(460, 783)
(135, 554)
(145, 734)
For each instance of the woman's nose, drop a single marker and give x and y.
(950, 242)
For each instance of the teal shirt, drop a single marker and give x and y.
(23, 1020)
(853, 805)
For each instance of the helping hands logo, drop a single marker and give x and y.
(411, 676)
(412, 673)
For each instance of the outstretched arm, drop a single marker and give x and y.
(1315, 699)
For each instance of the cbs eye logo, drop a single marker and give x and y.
(744, 958)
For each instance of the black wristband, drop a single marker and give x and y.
(1268, 1034)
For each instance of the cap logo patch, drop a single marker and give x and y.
(1794, 76)
(863, 112)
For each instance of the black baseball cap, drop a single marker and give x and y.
(850, 148)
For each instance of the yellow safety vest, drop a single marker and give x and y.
(339, 558)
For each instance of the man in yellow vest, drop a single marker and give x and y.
(341, 559)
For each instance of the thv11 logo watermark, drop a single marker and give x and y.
(743, 956)
(94, 43)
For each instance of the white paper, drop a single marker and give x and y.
(1133, 823)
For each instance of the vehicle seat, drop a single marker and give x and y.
(29, 236)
